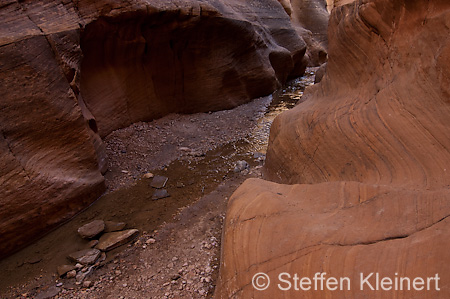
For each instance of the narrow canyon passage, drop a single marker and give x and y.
(200, 154)
(155, 149)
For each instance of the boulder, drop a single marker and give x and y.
(365, 158)
(112, 240)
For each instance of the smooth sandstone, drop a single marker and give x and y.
(366, 158)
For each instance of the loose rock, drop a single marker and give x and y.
(86, 256)
(148, 175)
(63, 269)
(150, 241)
(92, 229)
(49, 293)
(240, 166)
(115, 239)
(71, 274)
(160, 193)
(159, 181)
(82, 275)
(111, 226)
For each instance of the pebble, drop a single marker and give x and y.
(71, 274)
(150, 241)
(240, 166)
(148, 175)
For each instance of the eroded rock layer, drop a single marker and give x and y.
(369, 152)
(181, 57)
(73, 71)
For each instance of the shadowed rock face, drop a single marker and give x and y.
(73, 71)
(312, 15)
(310, 18)
(146, 64)
(369, 149)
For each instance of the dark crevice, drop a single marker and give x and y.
(93, 125)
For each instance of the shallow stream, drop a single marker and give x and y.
(188, 180)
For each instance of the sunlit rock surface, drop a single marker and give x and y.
(368, 152)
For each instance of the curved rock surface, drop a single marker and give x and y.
(73, 71)
(312, 15)
(184, 57)
(310, 18)
(369, 152)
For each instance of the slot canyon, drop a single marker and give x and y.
(205, 148)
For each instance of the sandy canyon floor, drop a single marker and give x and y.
(178, 250)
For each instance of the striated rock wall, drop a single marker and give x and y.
(73, 71)
(185, 57)
(368, 150)
(50, 163)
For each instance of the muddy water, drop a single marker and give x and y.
(189, 179)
